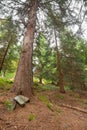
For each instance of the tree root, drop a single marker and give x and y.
(74, 108)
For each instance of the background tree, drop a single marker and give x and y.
(43, 59)
(8, 37)
(59, 66)
(11, 59)
(73, 60)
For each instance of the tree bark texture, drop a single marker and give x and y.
(59, 69)
(23, 82)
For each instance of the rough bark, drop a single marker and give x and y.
(59, 69)
(23, 82)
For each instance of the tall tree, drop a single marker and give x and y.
(73, 60)
(11, 59)
(59, 67)
(8, 37)
(42, 59)
(24, 77)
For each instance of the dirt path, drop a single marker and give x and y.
(61, 118)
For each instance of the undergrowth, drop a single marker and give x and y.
(42, 87)
(5, 84)
(60, 96)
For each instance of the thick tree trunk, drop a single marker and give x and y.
(23, 82)
(59, 69)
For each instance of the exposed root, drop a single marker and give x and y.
(74, 108)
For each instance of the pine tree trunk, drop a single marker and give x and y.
(4, 56)
(59, 69)
(23, 82)
(40, 80)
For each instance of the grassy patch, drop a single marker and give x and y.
(49, 87)
(9, 76)
(68, 88)
(4, 84)
(60, 96)
(43, 87)
(46, 101)
(44, 98)
(31, 117)
(50, 106)
(9, 106)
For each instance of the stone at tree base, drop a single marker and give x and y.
(21, 100)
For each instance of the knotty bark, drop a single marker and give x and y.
(23, 82)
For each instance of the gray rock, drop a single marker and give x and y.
(21, 100)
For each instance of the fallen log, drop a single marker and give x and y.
(74, 108)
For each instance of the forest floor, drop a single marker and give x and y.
(47, 110)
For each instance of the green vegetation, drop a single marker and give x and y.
(50, 105)
(71, 50)
(9, 48)
(73, 62)
(31, 117)
(44, 99)
(43, 87)
(5, 84)
(60, 96)
(44, 60)
(8, 105)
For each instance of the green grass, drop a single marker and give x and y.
(46, 86)
(60, 96)
(50, 105)
(43, 87)
(44, 99)
(49, 87)
(31, 117)
(9, 105)
(7, 81)
(9, 76)
(4, 84)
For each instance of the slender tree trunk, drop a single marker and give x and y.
(23, 82)
(3, 73)
(40, 80)
(4, 56)
(59, 69)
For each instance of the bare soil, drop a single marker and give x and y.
(56, 117)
